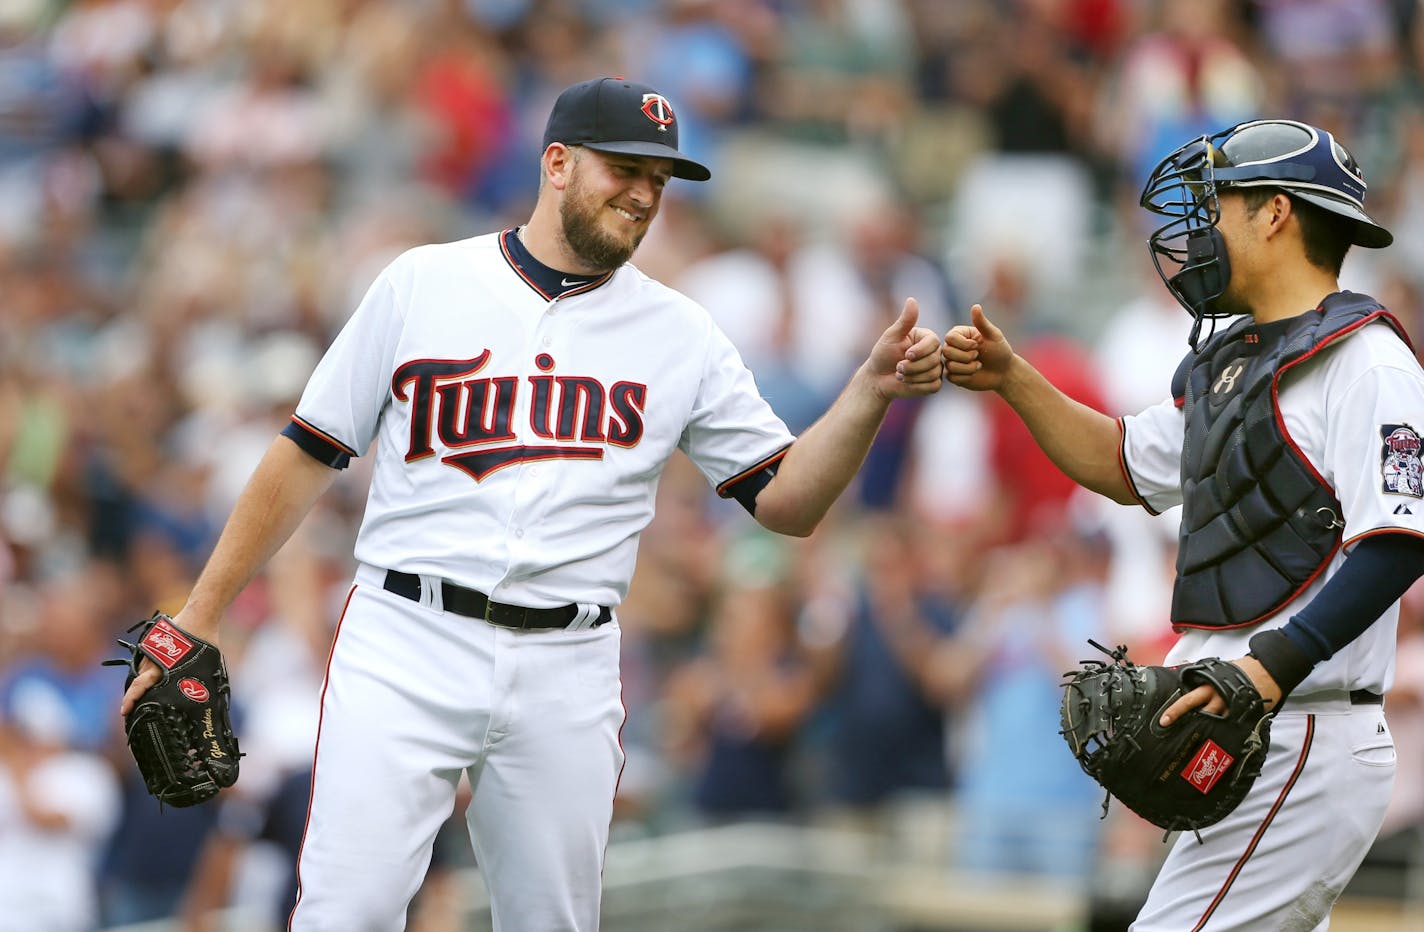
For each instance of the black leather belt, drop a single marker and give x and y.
(474, 604)
(1365, 697)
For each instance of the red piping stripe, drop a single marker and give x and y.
(509, 258)
(1265, 823)
(325, 679)
(1276, 387)
(1383, 530)
(724, 489)
(1126, 473)
(618, 780)
(309, 428)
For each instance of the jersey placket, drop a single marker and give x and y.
(531, 478)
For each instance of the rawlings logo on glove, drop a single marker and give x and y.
(1186, 776)
(180, 731)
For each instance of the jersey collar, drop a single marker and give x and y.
(549, 283)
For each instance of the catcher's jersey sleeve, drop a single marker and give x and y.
(1152, 455)
(1369, 439)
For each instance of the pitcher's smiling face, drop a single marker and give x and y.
(608, 204)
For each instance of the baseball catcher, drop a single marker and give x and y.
(1185, 776)
(180, 732)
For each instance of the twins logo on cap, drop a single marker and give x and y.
(657, 109)
(622, 116)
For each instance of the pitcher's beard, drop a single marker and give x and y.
(588, 241)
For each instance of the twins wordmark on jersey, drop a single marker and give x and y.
(475, 414)
(517, 408)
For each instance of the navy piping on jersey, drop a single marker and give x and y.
(317, 444)
(548, 283)
(1265, 824)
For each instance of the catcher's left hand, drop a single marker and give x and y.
(1185, 776)
(179, 730)
(1208, 700)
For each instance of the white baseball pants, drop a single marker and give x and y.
(1283, 857)
(414, 695)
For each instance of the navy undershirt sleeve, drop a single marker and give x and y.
(1375, 574)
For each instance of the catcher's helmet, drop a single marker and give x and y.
(1300, 159)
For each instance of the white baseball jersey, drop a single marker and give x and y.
(1340, 408)
(1281, 858)
(520, 439)
(521, 421)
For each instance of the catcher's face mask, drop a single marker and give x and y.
(1302, 160)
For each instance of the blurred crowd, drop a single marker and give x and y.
(195, 193)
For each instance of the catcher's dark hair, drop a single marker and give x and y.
(1325, 235)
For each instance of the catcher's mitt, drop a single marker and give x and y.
(1186, 776)
(179, 731)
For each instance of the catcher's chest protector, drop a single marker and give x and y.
(1258, 522)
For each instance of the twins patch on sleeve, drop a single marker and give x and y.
(1401, 469)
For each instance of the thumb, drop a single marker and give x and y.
(909, 315)
(982, 323)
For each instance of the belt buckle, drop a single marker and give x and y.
(520, 622)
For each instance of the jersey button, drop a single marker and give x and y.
(519, 532)
(548, 341)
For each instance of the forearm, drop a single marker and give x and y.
(282, 489)
(1373, 577)
(1082, 442)
(822, 462)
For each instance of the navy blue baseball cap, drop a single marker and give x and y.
(616, 115)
